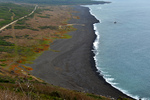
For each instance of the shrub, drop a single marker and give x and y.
(4, 43)
(55, 94)
(49, 27)
(2, 60)
(20, 27)
(3, 64)
(94, 96)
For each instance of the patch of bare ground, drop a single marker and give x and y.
(1, 19)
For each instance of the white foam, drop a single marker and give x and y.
(107, 75)
(92, 12)
(145, 98)
(96, 42)
(109, 79)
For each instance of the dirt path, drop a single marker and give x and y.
(18, 19)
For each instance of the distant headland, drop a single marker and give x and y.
(58, 2)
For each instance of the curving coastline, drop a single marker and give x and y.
(74, 66)
(94, 53)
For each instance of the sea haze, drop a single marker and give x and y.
(123, 49)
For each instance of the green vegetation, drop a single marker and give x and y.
(6, 49)
(39, 11)
(6, 80)
(5, 37)
(2, 60)
(35, 90)
(8, 9)
(49, 27)
(94, 96)
(44, 16)
(3, 64)
(4, 43)
(66, 36)
(22, 26)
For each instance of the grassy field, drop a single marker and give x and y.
(8, 9)
(22, 42)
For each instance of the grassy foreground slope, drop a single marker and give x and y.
(58, 2)
(23, 89)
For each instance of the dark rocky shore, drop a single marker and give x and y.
(74, 67)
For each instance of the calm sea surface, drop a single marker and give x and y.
(123, 49)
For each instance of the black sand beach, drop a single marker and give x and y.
(74, 67)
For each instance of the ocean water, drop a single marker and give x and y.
(123, 49)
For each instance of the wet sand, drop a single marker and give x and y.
(73, 67)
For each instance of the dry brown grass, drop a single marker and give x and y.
(68, 94)
(9, 95)
(43, 92)
(1, 19)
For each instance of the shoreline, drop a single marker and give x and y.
(93, 63)
(74, 66)
(98, 72)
